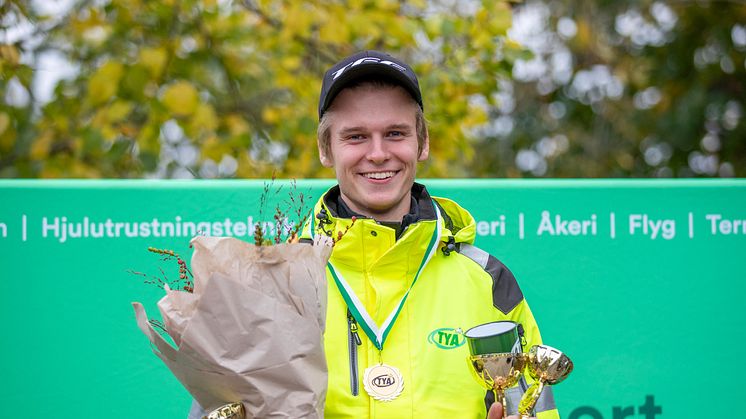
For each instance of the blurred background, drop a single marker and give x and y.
(229, 89)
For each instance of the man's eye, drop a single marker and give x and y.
(355, 137)
(395, 134)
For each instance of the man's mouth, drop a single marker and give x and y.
(379, 175)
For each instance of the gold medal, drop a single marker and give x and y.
(383, 382)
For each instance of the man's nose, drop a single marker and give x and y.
(378, 151)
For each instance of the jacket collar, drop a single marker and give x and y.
(421, 207)
(459, 223)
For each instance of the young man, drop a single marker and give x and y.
(405, 269)
(405, 273)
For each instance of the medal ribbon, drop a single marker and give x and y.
(376, 334)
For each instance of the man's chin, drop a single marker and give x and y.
(378, 206)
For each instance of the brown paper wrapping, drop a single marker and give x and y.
(252, 329)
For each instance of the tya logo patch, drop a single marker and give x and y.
(446, 338)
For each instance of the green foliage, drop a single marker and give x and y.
(223, 88)
(677, 110)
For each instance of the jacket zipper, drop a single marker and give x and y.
(353, 341)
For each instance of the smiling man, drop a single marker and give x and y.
(405, 274)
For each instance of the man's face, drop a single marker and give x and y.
(374, 150)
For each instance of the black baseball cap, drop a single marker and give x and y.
(366, 64)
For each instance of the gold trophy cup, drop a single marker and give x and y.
(547, 366)
(496, 357)
(498, 372)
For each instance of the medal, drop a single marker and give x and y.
(383, 382)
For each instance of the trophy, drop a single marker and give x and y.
(497, 362)
(498, 372)
(547, 366)
(228, 411)
(496, 358)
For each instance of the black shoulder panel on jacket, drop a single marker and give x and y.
(446, 218)
(506, 294)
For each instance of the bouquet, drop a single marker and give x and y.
(251, 328)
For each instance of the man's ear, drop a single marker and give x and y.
(425, 151)
(326, 160)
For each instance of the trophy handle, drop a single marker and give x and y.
(528, 401)
(502, 400)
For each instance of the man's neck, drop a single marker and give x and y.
(399, 225)
(420, 207)
(394, 214)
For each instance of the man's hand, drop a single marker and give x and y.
(496, 412)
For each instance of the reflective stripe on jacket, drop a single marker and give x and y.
(456, 290)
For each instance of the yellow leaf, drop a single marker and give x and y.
(128, 130)
(7, 136)
(434, 26)
(476, 116)
(270, 115)
(585, 36)
(297, 19)
(236, 125)
(482, 40)
(214, 149)
(181, 98)
(60, 122)
(154, 59)
(103, 84)
(420, 4)
(4, 122)
(203, 120)
(118, 110)
(513, 44)
(147, 139)
(99, 119)
(290, 62)
(386, 5)
(284, 79)
(335, 33)
(109, 133)
(501, 19)
(210, 4)
(40, 147)
(9, 54)
(236, 64)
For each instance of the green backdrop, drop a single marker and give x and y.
(640, 282)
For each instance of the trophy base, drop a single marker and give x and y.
(228, 411)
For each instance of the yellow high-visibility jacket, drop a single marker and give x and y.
(457, 289)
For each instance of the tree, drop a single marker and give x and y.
(221, 88)
(211, 88)
(620, 89)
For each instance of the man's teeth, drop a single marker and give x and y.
(379, 175)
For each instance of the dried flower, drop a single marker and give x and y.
(284, 230)
(341, 234)
(185, 280)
